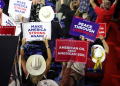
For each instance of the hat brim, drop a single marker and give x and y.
(42, 18)
(33, 71)
(82, 71)
(94, 46)
(51, 82)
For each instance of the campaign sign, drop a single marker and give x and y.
(84, 27)
(7, 30)
(7, 21)
(20, 7)
(35, 30)
(2, 4)
(102, 30)
(76, 50)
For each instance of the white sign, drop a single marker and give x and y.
(33, 31)
(7, 21)
(20, 7)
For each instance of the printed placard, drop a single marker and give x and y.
(34, 31)
(7, 21)
(2, 4)
(7, 30)
(20, 7)
(84, 27)
(102, 30)
(75, 49)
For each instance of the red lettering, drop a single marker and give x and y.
(35, 33)
(30, 33)
(14, 7)
(73, 29)
(7, 25)
(43, 32)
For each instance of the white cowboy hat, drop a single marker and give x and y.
(46, 14)
(47, 83)
(36, 65)
(99, 52)
(79, 68)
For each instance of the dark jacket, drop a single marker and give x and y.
(68, 21)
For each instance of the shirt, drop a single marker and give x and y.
(104, 16)
(91, 64)
(84, 5)
(35, 12)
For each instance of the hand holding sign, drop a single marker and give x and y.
(70, 63)
(1, 10)
(23, 41)
(45, 40)
(101, 37)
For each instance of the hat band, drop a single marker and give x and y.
(98, 62)
(35, 68)
(47, 15)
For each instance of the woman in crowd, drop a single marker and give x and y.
(36, 67)
(69, 16)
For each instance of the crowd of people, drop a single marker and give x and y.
(37, 68)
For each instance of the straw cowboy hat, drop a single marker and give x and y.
(47, 82)
(98, 55)
(36, 65)
(79, 68)
(46, 14)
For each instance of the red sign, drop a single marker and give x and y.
(7, 30)
(75, 49)
(102, 30)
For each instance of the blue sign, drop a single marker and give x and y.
(2, 4)
(84, 27)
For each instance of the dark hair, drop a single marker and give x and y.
(51, 74)
(89, 18)
(75, 5)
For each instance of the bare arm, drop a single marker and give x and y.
(49, 54)
(104, 44)
(23, 62)
(63, 68)
(116, 1)
(21, 18)
(93, 4)
(62, 2)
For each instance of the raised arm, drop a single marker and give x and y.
(78, 1)
(49, 54)
(116, 1)
(23, 62)
(66, 76)
(62, 2)
(93, 4)
(104, 44)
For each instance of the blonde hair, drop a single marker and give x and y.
(36, 79)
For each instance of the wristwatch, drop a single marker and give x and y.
(47, 47)
(22, 47)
